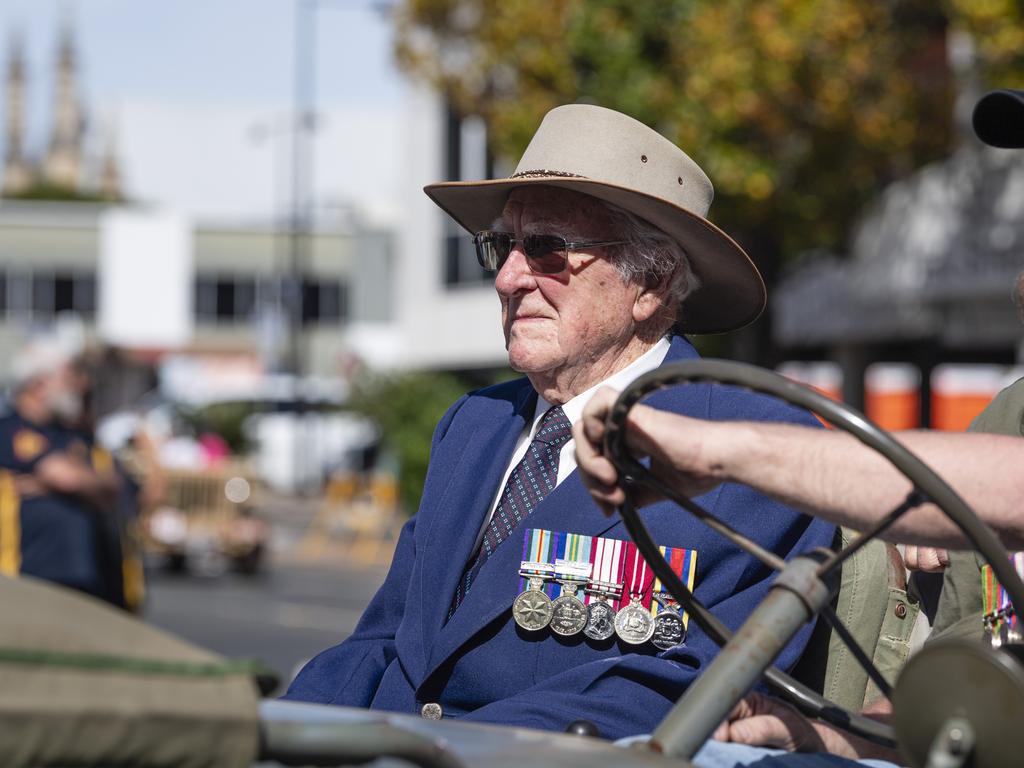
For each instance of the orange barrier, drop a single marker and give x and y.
(892, 395)
(961, 392)
(824, 377)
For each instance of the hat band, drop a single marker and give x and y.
(527, 174)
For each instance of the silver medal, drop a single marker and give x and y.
(532, 608)
(668, 630)
(600, 620)
(634, 625)
(568, 615)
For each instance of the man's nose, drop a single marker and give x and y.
(515, 275)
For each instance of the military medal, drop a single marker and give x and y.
(669, 626)
(1000, 621)
(634, 624)
(600, 620)
(569, 613)
(532, 608)
(605, 586)
(669, 630)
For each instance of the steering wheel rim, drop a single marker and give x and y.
(928, 486)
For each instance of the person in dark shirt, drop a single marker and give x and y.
(51, 499)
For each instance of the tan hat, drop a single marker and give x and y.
(610, 156)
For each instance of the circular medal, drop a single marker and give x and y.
(568, 615)
(634, 625)
(532, 610)
(668, 630)
(600, 621)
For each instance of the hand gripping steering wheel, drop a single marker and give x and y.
(927, 487)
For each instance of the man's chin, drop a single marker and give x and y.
(526, 362)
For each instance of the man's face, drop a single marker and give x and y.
(568, 324)
(63, 399)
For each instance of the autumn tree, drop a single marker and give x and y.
(799, 110)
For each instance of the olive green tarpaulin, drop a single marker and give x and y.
(83, 684)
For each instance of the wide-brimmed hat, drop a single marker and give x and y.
(999, 118)
(610, 156)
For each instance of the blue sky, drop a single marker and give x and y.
(234, 57)
(206, 51)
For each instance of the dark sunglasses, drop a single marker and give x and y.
(545, 254)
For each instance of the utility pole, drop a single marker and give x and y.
(304, 88)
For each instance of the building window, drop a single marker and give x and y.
(460, 264)
(41, 295)
(466, 158)
(63, 293)
(324, 301)
(225, 299)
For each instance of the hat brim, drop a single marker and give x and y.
(731, 293)
(998, 119)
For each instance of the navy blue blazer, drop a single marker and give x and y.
(481, 666)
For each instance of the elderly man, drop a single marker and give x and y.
(601, 248)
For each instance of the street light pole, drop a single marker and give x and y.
(301, 183)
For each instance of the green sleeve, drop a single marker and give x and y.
(960, 604)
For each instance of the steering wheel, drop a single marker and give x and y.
(927, 487)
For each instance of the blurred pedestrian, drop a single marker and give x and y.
(52, 501)
(119, 542)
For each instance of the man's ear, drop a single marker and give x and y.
(651, 297)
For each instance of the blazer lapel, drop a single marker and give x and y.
(456, 517)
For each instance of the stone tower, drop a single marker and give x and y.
(17, 175)
(62, 166)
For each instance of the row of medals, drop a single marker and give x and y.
(567, 615)
(1006, 633)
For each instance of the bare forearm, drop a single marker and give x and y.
(61, 474)
(834, 475)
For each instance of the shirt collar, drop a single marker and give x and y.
(573, 409)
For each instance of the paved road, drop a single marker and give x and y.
(283, 616)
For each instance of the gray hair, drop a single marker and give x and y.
(649, 254)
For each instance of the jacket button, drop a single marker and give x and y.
(901, 610)
(431, 711)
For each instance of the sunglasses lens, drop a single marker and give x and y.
(492, 248)
(545, 254)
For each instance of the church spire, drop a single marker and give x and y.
(62, 166)
(16, 171)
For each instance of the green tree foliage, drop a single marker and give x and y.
(407, 407)
(45, 191)
(997, 29)
(799, 110)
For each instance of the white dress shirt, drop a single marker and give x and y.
(573, 409)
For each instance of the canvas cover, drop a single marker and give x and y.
(85, 684)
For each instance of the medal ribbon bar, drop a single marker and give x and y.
(684, 563)
(606, 578)
(638, 584)
(538, 557)
(995, 600)
(573, 563)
